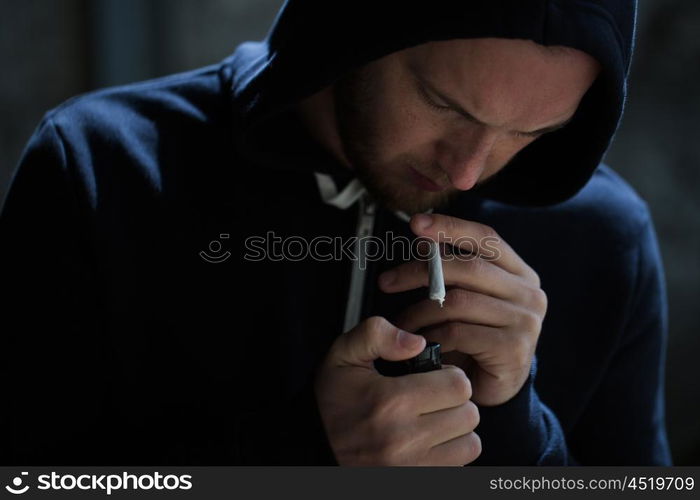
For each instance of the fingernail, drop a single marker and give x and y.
(408, 340)
(423, 221)
(387, 278)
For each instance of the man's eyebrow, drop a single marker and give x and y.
(551, 128)
(467, 115)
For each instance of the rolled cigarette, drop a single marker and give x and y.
(435, 276)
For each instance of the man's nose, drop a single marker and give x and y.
(464, 156)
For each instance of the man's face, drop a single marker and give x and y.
(425, 123)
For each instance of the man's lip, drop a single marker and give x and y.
(423, 182)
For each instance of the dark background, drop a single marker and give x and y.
(51, 50)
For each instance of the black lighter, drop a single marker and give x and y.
(428, 360)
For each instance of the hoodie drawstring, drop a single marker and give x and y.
(352, 193)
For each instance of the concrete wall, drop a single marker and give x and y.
(658, 151)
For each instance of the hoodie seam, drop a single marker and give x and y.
(578, 5)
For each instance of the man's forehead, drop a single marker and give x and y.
(506, 81)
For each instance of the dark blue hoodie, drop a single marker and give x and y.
(120, 343)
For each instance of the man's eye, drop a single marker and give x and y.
(431, 102)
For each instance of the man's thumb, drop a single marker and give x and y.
(375, 338)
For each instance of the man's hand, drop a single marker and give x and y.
(417, 419)
(493, 311)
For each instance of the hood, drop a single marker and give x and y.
(313, 42)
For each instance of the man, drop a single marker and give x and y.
(161, 314)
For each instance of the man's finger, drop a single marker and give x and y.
(468, 338)
(465, 235)
(457, 452)
(433, 391)
(460, 306)
(374, 338)
(477, 274)
(452, 423)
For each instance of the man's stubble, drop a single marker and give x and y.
(357, 98)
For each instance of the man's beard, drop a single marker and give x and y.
(356, 96)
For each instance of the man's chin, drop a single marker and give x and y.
(402, 195)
